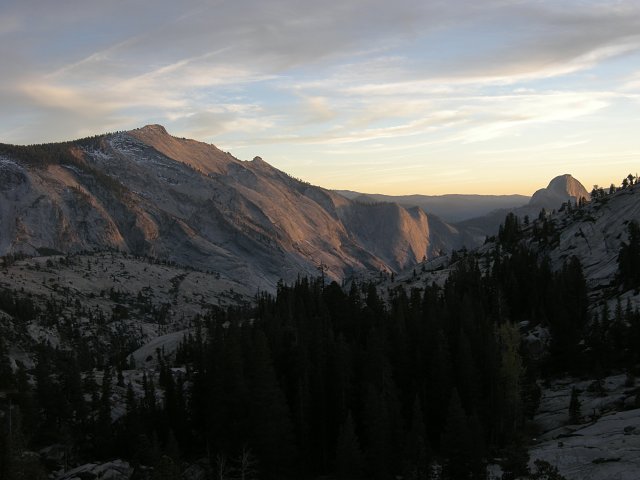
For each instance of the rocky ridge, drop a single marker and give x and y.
(147, 192)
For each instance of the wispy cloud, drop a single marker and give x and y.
(9, 24)
(299, 78)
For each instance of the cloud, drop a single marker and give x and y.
(316, 109)
(631, 83)
(241, 120)
(351, 74)
(494, 116)
(9, 24)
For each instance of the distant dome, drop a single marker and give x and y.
(560, 190)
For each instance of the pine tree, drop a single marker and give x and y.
(545, 471)
(246, 465)
(171, 448)
(574, 407)
(7, 379)
(132, 424)
(416, 454)
(72, 387)
(568, 314)
(149, 401)
(120, 382)
(509, 232)
(14, 465)
(228, 391)
(104, 433)
(272, 434)
(166, 469)
(25, 399)
(223, 469)
(90, 386)
(439, 384)
(376, 423)
(349, 459)
(629, 257)
(5, 451)
(466, 373)
(511, 374)
(456, 441)
(515, 463)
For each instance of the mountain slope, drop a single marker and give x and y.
(561, 189)
(595, 234)
(147, 192)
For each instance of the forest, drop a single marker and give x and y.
(321, 381)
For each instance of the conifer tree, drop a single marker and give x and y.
(574, 407)
(416, 454)
(246, 465)
(515, 460)
(568, 315)
(90, 386)
(228, 391)
(7, 379)
(467, 373)
(72, 388)
(545, 471)
(166, 469)
(149, 401)
(629, 257)
(272, 432)
(456, 441)
(171, 448)
(14, 465)
(223, 469)
(439, 384)
(26, 401)
(511, 374)
(104, 431)
(376, 424)
(349, 460)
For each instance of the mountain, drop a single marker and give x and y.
(140, 298)
(594, 233)
(149, 193)
(479, 216)
(547, 262)
(450, 207)
(561, 189)
(150, 368)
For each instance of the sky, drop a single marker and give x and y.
(378, 96)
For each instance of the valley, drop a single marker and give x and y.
(169, 311)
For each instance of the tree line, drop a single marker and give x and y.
(318, 380)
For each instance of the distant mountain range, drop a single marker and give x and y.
(562, 189)
(149, 193)
(450, 207)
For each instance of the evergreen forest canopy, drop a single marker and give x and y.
(316, 380)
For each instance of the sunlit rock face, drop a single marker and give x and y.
(147, 192)
(560, 190)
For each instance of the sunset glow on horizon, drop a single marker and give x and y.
(426, 97)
